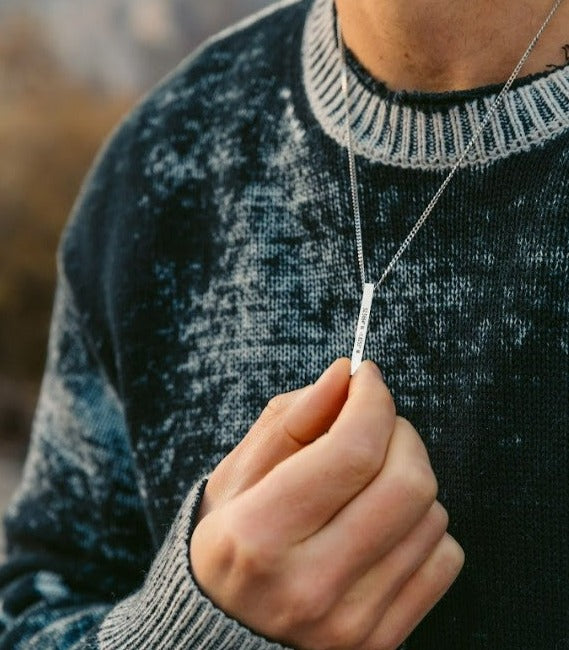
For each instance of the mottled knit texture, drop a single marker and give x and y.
(210, 264)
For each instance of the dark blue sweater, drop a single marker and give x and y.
(210, 264)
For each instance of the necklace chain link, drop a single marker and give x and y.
(427, 211)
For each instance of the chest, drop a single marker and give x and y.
(471, 329)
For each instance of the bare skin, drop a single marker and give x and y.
(322, 529)
(439, 45)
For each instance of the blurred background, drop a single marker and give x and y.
(69, 69)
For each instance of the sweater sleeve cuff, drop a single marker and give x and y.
(170, 611)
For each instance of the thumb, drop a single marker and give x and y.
(288, 423)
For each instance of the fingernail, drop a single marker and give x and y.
(372, 368)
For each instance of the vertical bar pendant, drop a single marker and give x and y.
(361, 329)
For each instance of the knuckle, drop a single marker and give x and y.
(386, 402)
(247, 555)
(362, 459)
(405, 429)
(274, 410)
(227, 549)
(382, 412)
(451, 557)
(275, 405)
(439, 516)
(302, 606)
(404, 422)
(404, 426)
(418, 482)
(253, 560)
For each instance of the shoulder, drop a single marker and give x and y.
(207, 102)
(151, 191)
(230, 75)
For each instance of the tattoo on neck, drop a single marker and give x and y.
(557, 66)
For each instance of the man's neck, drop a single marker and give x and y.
(443, 45)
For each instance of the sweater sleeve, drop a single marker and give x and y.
(81, 570)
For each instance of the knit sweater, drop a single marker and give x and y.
(210, 264)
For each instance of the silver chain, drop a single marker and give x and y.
(427, 211)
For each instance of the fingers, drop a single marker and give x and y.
(381, 584)
(368, 416)
(364, 603)
(397, 566)
(314, 412)
(419, 595)
(383, 513)
(314, 484)
(289, 422)
(331, 540)
(292, 420)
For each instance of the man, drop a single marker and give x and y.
(210, 264)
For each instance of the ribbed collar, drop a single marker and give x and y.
(423, 130)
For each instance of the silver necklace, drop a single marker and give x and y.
(368, 288)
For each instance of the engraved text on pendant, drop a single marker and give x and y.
(362, 327)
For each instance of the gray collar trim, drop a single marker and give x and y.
(411, 130)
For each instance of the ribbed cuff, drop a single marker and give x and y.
(170, 612)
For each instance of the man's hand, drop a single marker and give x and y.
(321, 529)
